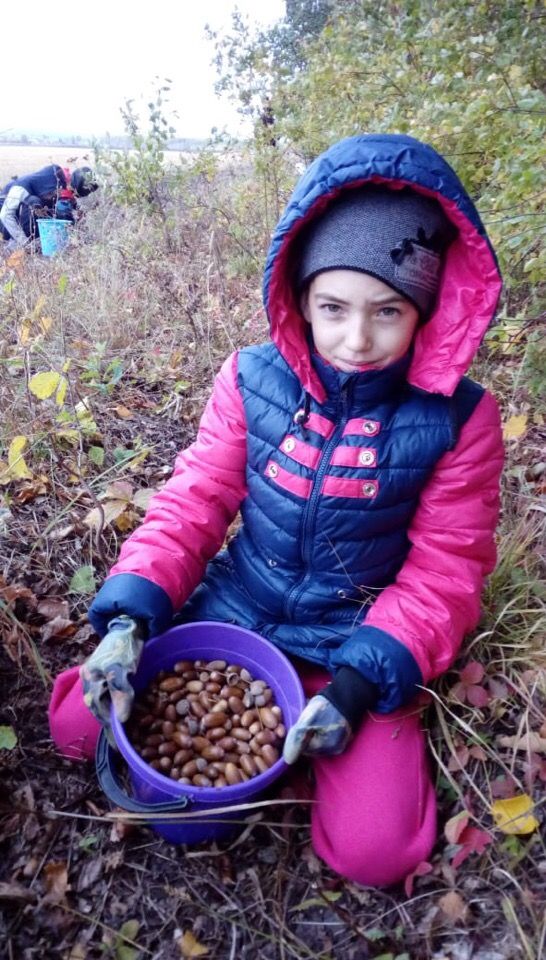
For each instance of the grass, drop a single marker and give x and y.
(139, 326)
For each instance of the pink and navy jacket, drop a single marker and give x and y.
(369, 500)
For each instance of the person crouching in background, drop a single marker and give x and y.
(26, 198)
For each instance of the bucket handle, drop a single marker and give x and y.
(110, 785)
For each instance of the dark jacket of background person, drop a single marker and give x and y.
(24, 195)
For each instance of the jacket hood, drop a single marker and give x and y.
(470, 285)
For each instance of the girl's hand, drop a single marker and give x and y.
(320, 730)
(105, 675)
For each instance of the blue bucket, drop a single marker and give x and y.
(54, 236)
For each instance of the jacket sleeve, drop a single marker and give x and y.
(9, 213)
(163, 561)
(413, 631)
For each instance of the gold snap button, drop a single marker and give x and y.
(367, 458)
(289, 444)
(368, 489)
(272, 470)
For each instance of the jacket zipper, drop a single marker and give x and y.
(313, 503)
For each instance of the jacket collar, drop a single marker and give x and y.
(369, 386)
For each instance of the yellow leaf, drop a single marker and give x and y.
(60, 396)
(38, 306)
(140, 458)
(515, 427)
(24, 335)
(33, 327)
(190, 947)
(17, 466)
(46, 324)
(69, 434)
(514, 815)
(43, 385)
(126, 521)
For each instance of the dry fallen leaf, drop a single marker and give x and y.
(58, 627)
(111, 510)
(127, 520)
(118, 490)
(78, 952)
(17, 467)
(121, 828)
(453, 906)
(515, 427)
(514, 815)
(16, 891)
(60, 533)
(142, 498)
(531, 742)
(29, 491)
(52, 607)
(190, 947)
(56, 881)
(455, 826)
(124, 412)
(89, 873)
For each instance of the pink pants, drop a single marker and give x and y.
(375, 818)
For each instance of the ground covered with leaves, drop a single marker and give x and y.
(107, 356)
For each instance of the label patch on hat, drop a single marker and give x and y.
(418, 266)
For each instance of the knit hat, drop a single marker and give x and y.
(83, 182)
(397, 236)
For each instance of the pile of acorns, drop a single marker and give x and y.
(209, 724)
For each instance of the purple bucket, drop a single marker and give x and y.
(207, 640)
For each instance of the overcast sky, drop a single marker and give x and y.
(70, 67)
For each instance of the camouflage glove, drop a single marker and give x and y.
(329, 720)
(105, 675)
(319, 731)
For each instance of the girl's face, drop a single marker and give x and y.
(357, 320)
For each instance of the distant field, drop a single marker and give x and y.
(18, 160)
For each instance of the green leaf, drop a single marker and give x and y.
(96, 455)
(331, 895)
(121, 454)
(83, 581)
(125, 951)
(8, 738)
(374, 933)
(62, 283)
(306, 904)
(88, 842)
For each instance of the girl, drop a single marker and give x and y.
(366, 468)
